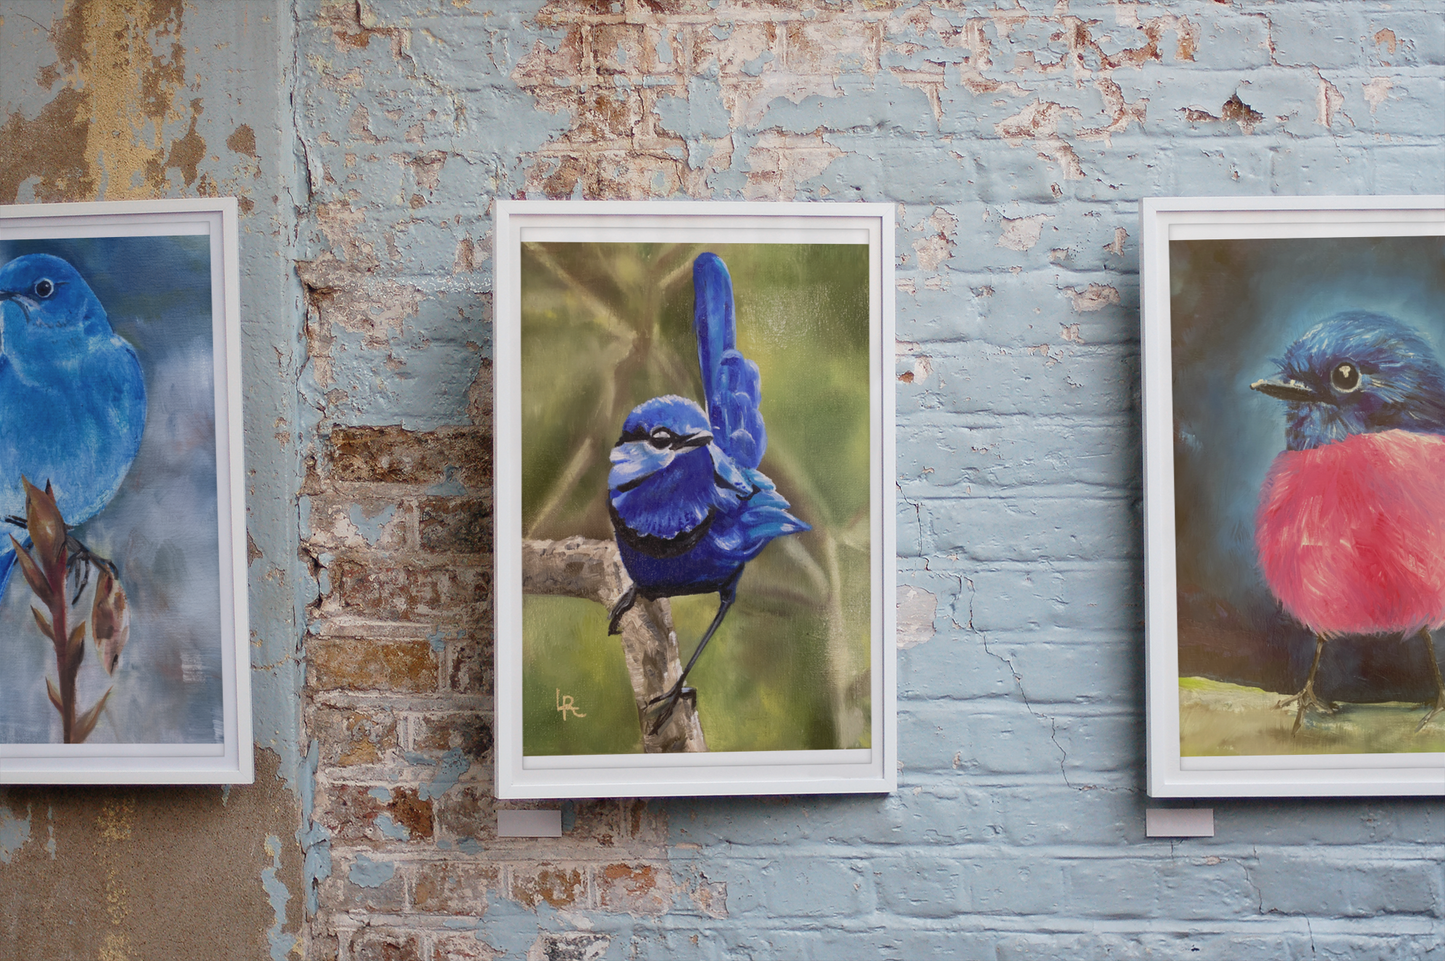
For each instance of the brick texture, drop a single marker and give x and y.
(1015, 142)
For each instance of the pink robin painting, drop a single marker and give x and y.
(1350, 527)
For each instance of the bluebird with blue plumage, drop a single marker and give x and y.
(72, 396)
(688, 505)
(1350, 527)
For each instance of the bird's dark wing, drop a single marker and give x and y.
(730, 380)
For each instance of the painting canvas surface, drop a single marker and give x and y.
(161, 527)
(1235, 307)
(606, 326)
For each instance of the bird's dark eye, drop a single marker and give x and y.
(44, 287)
(1345, 377)
(660, 438)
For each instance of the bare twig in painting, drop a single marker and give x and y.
(592, 570)
(45, 571)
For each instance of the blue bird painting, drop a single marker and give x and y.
(108, 359)
(699, 412)
(688, 505)
(72, 396)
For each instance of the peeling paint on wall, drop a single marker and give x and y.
(916, 609)
(1015, 142)
(121, 118)
(14, 832)
(136, 99)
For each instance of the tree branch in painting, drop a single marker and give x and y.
(592, 570)
(55, 555)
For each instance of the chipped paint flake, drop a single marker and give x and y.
(916, 610)
(1376, 91)
(936, 244)
(14, 832)
(568, 946)
(367, 873)
(1329, 102)
(276, 892)
(1038, 124)
(1091, 298)
(1022, 233)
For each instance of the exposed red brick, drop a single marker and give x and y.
(454, 887)
(394, 455)
(355, 664)
(635, 888)
(467, 811)
(372, 588)
(379, 944)
(471, 666)
(351, 737)
(548, 883)
(438, 733)
(350, 811)
(388, 896)
(459, 524)
(463, 947)
(619, 48)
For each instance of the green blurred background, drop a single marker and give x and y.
(604, 328)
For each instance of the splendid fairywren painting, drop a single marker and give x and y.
(696, 416)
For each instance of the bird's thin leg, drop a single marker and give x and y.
(677, 691)
(1306, 696)
(623, 605)
(1439, 704)
(79, 560)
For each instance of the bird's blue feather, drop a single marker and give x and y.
(731, 382)
(72, 395)
(688, 504)
(1398, 385)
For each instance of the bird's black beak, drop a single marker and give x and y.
(1290, 390)
(700, 439)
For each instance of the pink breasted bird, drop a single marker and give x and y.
(1350, 527)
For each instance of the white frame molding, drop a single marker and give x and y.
(231, 761)
(1221, 218)
(737, 773)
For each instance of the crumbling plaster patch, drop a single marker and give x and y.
(637, 133)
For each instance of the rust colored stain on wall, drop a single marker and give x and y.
(124, 874)
(121, 71)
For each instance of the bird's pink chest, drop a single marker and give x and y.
(1351, 535)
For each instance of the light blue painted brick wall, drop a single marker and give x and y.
(1018, 827)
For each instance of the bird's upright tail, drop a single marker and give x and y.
(730, 381)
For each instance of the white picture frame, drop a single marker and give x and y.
(167, 699)
(1228, 286)
(590, 269)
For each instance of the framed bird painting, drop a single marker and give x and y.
(694, 499)
(1294, 435)
(123, 630)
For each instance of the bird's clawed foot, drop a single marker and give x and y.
(1435, 709)
(623, 605)
(79, 560)
(668, 704)
(1439, 704)
(1307, 699)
